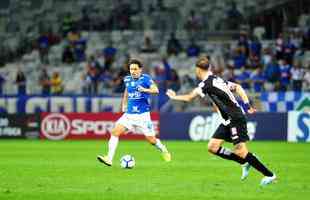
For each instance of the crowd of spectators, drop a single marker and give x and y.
(278, 66)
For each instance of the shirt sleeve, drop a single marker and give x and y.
(148, 81)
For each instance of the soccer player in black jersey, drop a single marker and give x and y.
(234, 126)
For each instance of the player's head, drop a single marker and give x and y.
(135, 68)
(202, 67)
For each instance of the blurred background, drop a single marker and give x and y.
(71, 55)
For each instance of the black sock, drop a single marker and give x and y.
(229, 155)
(253, 161)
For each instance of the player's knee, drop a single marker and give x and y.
(115, 132)
(241, 152)
(151, 140)
(213, 147)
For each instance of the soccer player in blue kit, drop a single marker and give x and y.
(135, 104)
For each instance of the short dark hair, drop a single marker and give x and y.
(203, 63)
(135, 61)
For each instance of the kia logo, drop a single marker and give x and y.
(55, 126)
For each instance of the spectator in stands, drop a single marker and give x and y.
(93, 74)
(79, 49)
(21, 82)
(85, 83)
(67, 24)
(94, 63)
(68, 54)
(243, 42)
(44, 81)
(193, 50)
(123, 14)
(174, 46)
(85, 21)
(148, 46)
(56, 84)
(285, 74)
(297, 77)
(279, 47)
(255, 47)
(2, 82)
(258, 79)
(272, 74)
(244, 78)
(109, 53)
(239, 58)
(305, 45)
(193, 24)
(260, 31)
(267, 56)
(44, 46)
(73, 36)
(234, 17)
(118, 83)
(174, 81)
(288, 51)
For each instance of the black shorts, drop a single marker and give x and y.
(235, 132)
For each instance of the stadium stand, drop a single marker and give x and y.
(89, 42)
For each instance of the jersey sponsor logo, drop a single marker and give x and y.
(134, 95)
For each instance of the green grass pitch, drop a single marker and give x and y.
(69, 170)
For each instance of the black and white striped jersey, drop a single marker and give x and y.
(220, 91)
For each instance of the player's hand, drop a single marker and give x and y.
(251, 110)
(170, 93)
(142, 89)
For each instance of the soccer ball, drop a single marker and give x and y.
(127, 162)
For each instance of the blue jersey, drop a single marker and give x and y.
(138, 102)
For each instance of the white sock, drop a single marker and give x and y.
(160, 146)
(112, 146)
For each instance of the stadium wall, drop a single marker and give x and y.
(198, 126)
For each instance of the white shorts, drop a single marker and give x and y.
(138, 122)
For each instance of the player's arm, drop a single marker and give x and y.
(185, 97)
(241, 92)
(152, 90)
(124, 100)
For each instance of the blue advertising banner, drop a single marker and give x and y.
(78, 103)
(298, 126)
(201, 126)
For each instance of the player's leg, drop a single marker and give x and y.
(121, 126)
(160, 146)
(147, 128)
(215, 145)
(242, 151)
(118, 130)
(239, 138)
